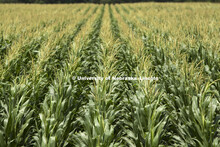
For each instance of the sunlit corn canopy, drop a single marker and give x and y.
(107, 75)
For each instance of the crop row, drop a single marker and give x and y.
(191, 101)
(22, 99)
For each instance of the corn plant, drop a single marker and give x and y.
(16, 116)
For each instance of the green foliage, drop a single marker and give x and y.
(16, 116)
(5, 44)
(192, 106)
(41, 104)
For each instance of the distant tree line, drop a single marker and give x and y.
(99, 1)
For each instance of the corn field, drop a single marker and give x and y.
(44, 49)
